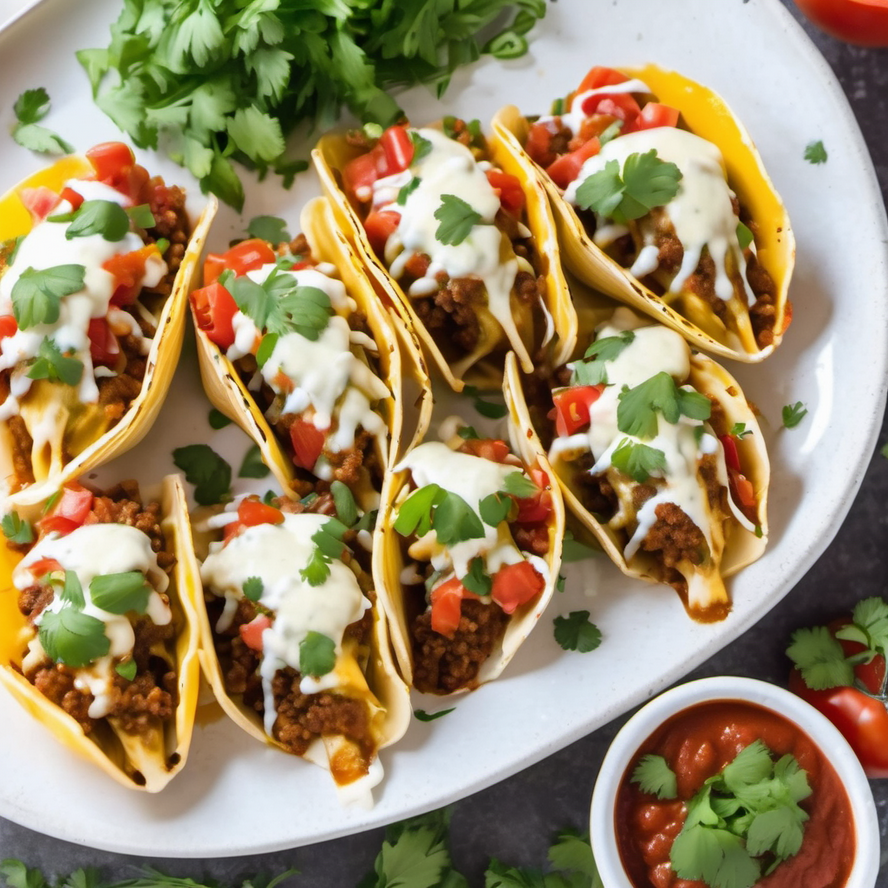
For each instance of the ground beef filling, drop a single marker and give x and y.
(144, 704)
(443, 665)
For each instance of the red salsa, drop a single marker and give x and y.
(698, 743)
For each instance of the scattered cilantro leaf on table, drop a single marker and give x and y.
(576, 632)
(30, 107)
(490, 409)
(252, 465)
(206, 470)
(423, 716)
(815, 152)
(793, 414)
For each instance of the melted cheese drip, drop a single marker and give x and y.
(701, 212)
(472, 478)
(486, 253)
(276, 554)
(653, 350)
(46, 246)
(327, 376)
(91, 551)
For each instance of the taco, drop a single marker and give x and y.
(658, 454)
(467, 556)
(458, 242)
(95, 262)
(662, 202)
(98, 626)
(294, 346)
(293, 644)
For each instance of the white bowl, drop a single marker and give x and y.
(747, 690)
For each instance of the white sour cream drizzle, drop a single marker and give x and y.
(701, 212)
(91, 551)
(472, 478)
(486, 253)
(653, 350)
(326, 374)
(46, 246)
(275, 554)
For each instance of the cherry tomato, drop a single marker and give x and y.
(572, 407)
(864, 22)
(398, 149)
(308, 443)
(8, 326)
(70, 510)
(564, 170)
(446, 601)
(251, 633)
(214, 309)
(379, 227)
(511, 194)
(516, 584)
(116, 166)
(104, 349)
(246, 256)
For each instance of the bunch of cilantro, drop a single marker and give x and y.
(223, 80)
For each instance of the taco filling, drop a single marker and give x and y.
(305, 353)
(652, 458)
(103, 632)
(655, 197)
(451, 229)
(290, 610)
(475, 528)
(80, 297)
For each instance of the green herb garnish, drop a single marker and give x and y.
(317, 654)
(638, 407)
(37, 294)
(793, 414)
(815, 152)
(576, 632)
(205, 469)
(51, 364)
(457, 220)
(30, 107)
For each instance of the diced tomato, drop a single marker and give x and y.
(653, 115)
(516, 584)
(73, 198)
(128, 270)
(593, 126)
(446, 601)
(359, 174)
(8, 326)
(564, 170)
(251, 633)
(398, 149)
(104, 349)
(39, 202)
(536, 508)
(246, 256)
(539, 144)
(70, 511)
(417, 265)
(620, 105)
(732, 455)
(252, 512)
(379, 227)
(487, 448)
(572, 407)
(511, 194)
(742, 491)
(116, 166)
(308, 443)
(214, 309)
(43, 566)
(601, 76)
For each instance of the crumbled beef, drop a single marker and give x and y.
(22, 444)
(451, 313)
(167, 203)
(674, 537)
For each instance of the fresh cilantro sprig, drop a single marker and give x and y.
(252, 465)
(457, 219)
(576, 632)
(739, 430)
(815, 152)
(423, 716)
(206, 470)
(328, 546)
(103, 217)
(72, 637)
(317, 654)
(793, 414)
(638, 461)
(37, 294)
(229, 81)
(646, 182)
(30, 108)
(269, 228)
(433, 508)
(591, 370)
(638, 407)
(17, 529)
(653, 775)
(818, 654)
(51, 364)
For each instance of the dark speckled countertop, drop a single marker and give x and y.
(516, 819)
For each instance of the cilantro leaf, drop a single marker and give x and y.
(328, 545)
(72, 637)
(102, 217)
(815, 152)
(17, 875)
(457, 220)
(744, 235)
(576, 632)
(494, 509)
(317, 654)
(252, 465)
(253, 588)
(407, 190)
(646, 182)
(591, 370)
(653, 775)
(870, 617)
(217, 419)
(51, 364)
(638, 407)
(477, 580)
(715, 856)
(72, 590)
(16, 529)
(32, 105)
(820, 658)
(638, 460)
(120, 593)
(127, 669)
(36, 295)
(269, 228)
(423, 716)
(573, 549)
(793, 414)
(454, 520)
(421, 146)
(573, 853)
(208, 471)
(489, 409)
(739, 430)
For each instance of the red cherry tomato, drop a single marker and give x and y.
(246, 256)
(398, 149)
(516, 584)
(308, 443)
(251, 633)
(379, 227)
(104, 349)
(214, 309)
(564, 170)
(864, 22)
(511, 194)
(70, 510)
(446, 601)
(572, 407)
(8, 326)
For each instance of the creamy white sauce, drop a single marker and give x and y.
(701, 212)
(486, 253)
(276, 554)
(91, 551)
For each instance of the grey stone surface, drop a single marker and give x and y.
(515, 819)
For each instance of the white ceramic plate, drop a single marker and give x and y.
(236, 796)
